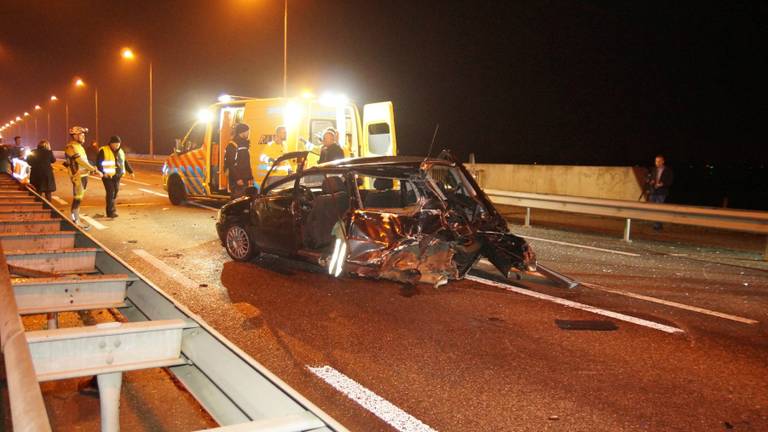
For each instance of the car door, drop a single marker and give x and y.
(275, 223)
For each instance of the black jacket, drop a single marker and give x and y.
(667, 178)
(237, 160)
(331, 153)
(41, 174)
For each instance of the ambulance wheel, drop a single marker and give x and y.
(176, 192)
(239, 244)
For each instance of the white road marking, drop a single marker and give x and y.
(581, 306)
(94, 223)
(59, 200)
(153, 192)
(196, 204)
(582, 246)
(369, 400)
(169, 271)
(673, 304)
(137, 182)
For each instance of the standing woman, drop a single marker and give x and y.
(41, 176)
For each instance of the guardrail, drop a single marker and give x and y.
(65, 269)
(726, 219)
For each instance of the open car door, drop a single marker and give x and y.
(379, 130)
(287, 164)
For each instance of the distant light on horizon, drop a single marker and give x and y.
(127, 54)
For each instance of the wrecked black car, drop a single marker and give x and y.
(402, 218)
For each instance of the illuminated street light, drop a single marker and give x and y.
(79, 83)
(52, 99)
(128, 54)
(37, 108)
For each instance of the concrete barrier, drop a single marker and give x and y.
(621, 183)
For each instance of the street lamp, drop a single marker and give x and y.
(37, 108)
(80, 83)
(26, 124)
(129, 55)
(52, 99)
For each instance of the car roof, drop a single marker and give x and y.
(395, 166)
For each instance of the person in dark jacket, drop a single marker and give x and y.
(331, 150)
(660, 180)
(237, 161)
(41, 174)
(5, 159)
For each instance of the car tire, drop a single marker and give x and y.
(239, 244)
(177, 194)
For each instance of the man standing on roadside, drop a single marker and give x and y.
(79, 169)
(112, 163)
(661, 179)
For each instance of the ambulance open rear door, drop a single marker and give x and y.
(379, 130)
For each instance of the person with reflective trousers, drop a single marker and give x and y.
(112, 163)
(79, 169)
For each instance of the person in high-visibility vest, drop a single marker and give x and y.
(112, 163)
(79, 169)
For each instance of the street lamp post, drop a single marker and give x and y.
(285, 48)
(50, 107)
(37, 108)
(128, 54)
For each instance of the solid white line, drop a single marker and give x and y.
(575, 305)
(169, 271)
(136, 181)
(59, 200)
(93, 223)
(202, 205)
(582, 246)
(673, 304)
(153, 192)
(369, 400)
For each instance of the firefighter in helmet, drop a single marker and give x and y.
(79, 168)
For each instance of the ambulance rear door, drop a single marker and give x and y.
(379, 130)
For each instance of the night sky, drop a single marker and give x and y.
(551, 82)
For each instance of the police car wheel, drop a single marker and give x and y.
(239, 244)
(176, 192)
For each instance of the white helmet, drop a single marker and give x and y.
(75, 130)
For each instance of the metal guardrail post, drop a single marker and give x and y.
(765, 254)
(627, 230)
(109, 400)
(527, 217)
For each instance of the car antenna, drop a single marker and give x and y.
(434, 137)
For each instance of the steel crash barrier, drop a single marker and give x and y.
(49, 266)
(736, 220)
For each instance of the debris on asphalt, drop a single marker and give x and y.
(597, 325)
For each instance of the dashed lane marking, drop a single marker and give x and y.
(581, 306)
(137, 182)
(153, 192)
(673, 304)
(59, 200)
(369, 400)
(196, 204)
(582, 246)
(169, 271)
(94, 223)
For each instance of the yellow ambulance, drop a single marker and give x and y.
(196, 167)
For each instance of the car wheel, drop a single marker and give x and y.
(239, 244)
(176, 192)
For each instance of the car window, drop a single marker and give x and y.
(449, 180)
(281, 189)
(195, 138)
(386, 192)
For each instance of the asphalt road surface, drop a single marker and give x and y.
(660, 336)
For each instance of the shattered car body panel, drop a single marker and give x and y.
(406, 219)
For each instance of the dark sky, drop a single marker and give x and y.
(558, 82)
